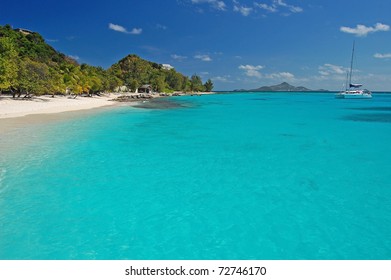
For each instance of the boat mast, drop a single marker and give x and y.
(347, 80)
(351, 65)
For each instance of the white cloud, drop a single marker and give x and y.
(276, 5)
(216, 4)
(178, 57)
(269, 8)
(203, 57)
(250, 67)
(281, 75)
(161, 26)
(330, 69)
(380, 55)
(245, 11)
(223, 79)
(273, 6)
(331, 72)
(293, 9)
(119, 28)
(362, 30)
(251, 70)
(136, 31)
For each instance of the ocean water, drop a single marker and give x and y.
(228, 176)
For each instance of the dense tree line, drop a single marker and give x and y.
(30, 66)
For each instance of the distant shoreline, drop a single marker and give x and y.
(40, 105)
(304, 92)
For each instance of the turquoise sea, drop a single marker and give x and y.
(227, 176)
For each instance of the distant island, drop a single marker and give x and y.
(280, 87)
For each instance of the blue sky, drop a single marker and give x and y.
(236, 43)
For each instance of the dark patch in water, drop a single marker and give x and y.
(386, 109)
(259, 99)
(310, 184)
(162, 104)
(216, 103)
(383, 118)
(287, 135)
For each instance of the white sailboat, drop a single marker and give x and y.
(354, 91)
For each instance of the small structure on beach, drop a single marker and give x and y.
(145, 89)
(167, 67)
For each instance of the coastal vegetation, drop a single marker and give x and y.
(28, 65)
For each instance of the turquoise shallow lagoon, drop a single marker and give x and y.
(230, 176)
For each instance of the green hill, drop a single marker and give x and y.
(134, 71)
(29, 65)
(283, 87)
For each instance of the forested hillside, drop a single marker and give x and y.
(29, 65)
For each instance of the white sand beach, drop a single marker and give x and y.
(10, 108)
(37, 105)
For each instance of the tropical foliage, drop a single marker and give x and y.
(134, 72)
(28, 65)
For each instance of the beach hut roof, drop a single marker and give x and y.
(24, 30)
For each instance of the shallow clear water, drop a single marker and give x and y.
(233, 176)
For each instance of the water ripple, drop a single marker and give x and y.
(3, 171)
(386, 109)
(380, 117)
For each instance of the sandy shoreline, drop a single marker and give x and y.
(10, 108)
(14, 108)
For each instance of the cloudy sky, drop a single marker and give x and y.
(236, 43)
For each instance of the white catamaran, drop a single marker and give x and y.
(354, 90)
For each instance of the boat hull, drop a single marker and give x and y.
(354, 94)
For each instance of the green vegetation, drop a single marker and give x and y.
(134, 72)
(208, 85)
(30, 66)
(8, 64)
